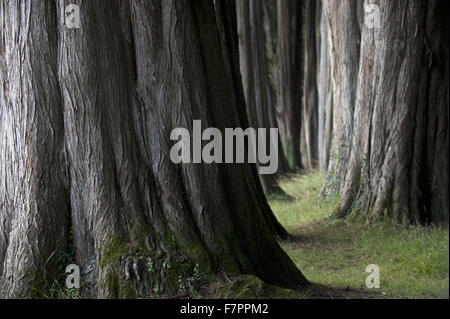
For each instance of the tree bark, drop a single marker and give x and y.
(398, 165)
(85, 120)
(34, 215)
(345, 37)
(324, 93)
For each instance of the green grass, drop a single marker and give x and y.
(414, 261)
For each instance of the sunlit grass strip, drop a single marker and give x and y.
(413, 261)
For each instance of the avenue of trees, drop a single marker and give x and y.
(86, 115)
(360, 91)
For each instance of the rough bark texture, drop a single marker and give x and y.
(324, 93)
(256, 83)
(33, 195)
(344, 33)
(397, 165)
(85, 120)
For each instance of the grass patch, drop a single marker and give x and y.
(414, 261)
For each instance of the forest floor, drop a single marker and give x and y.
(333, 255)
(414, 261)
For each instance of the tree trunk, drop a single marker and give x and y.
(324, 93)
(344, 29)
(85, 120)
(289, 73)
(398, 166)
(309, 133)
(226, 12)
(256, 83)
(33, 192)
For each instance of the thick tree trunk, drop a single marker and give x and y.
(33, 194)
(398, 165)
(85, 120)
(324, 93)
(256, 83)
(344, 28)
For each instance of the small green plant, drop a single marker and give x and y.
(52, 284)
(188, 282)
(166, 264)
(150, 265)
(58, 291)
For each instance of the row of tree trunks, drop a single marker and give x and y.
(85, 120)
(296, 36)
(228, 31)
(392, 111)
(289, 77)
(285, 73)
(256, 82)
(287, 42)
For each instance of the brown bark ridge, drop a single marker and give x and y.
(398, 165)
(256, 82)
(85, 120)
